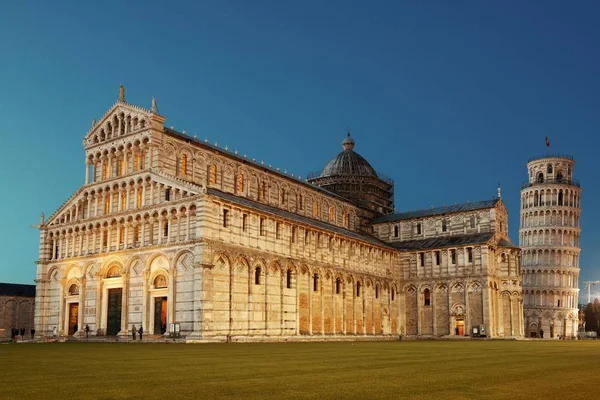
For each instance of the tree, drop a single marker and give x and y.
(592, 315)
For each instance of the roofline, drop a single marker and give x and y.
(256, 164)
(486, 242)
(390, 217)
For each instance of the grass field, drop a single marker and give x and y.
(340, 370)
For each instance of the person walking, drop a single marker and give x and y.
(32, 333)
(133, 332)
(141, 332)
(54, 332)
(22, 333)
(87, 331)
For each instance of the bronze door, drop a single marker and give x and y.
(460, 327)
(160, 315)
(113, 323)
(73, 314)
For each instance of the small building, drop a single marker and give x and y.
(16, 308)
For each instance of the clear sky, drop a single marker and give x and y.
(449, 98)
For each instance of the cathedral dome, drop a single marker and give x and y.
(348, 162)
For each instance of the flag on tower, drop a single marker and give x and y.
(547, 142)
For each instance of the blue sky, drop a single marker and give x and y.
(447, 98)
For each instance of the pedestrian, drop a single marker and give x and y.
(141, 332)
(22, 333)
(133, 332)
(87, 331)
(32, 333)
(542, 333)
(54, 332)
(12, 334)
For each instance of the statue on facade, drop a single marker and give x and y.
(122, 93)
(42, 219)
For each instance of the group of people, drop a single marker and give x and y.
(135, 332)
(16, 332)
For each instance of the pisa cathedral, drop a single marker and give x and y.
(185, 238)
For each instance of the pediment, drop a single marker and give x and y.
(63, 214)
(109, 127)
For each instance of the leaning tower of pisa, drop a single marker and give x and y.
(549, 239)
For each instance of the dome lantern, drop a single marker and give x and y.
(348, 142)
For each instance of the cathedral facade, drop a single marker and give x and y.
(185, 238)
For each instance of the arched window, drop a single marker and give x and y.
(472, 221)
(444, 225)
(283, 197)
(559, 177)
(393, 293)
(315, 209)
(137, 161)
(357, 289)
(289, 279)
(376, 291)
(138, 199)
(184, 164)
(427, 297)
(337, 286)
(331, 213)
(240, 185)
(299, 202)
(396, 231)
(549, 169)
(560, 198)
(262, 195)
(540, 177)
(213, 174)
(418, 228)
(257, 276)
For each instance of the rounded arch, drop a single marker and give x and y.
(72, 271)
(73, 288)
(183, 260)
(157, 260)
(91, 269)
(114, 270)
(54, 273)
(135, 266)
(160, 280)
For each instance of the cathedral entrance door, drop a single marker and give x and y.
(160, 315)
(460, 327)
(113, 323)
(73, 314)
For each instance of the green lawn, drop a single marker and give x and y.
(341, 370)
